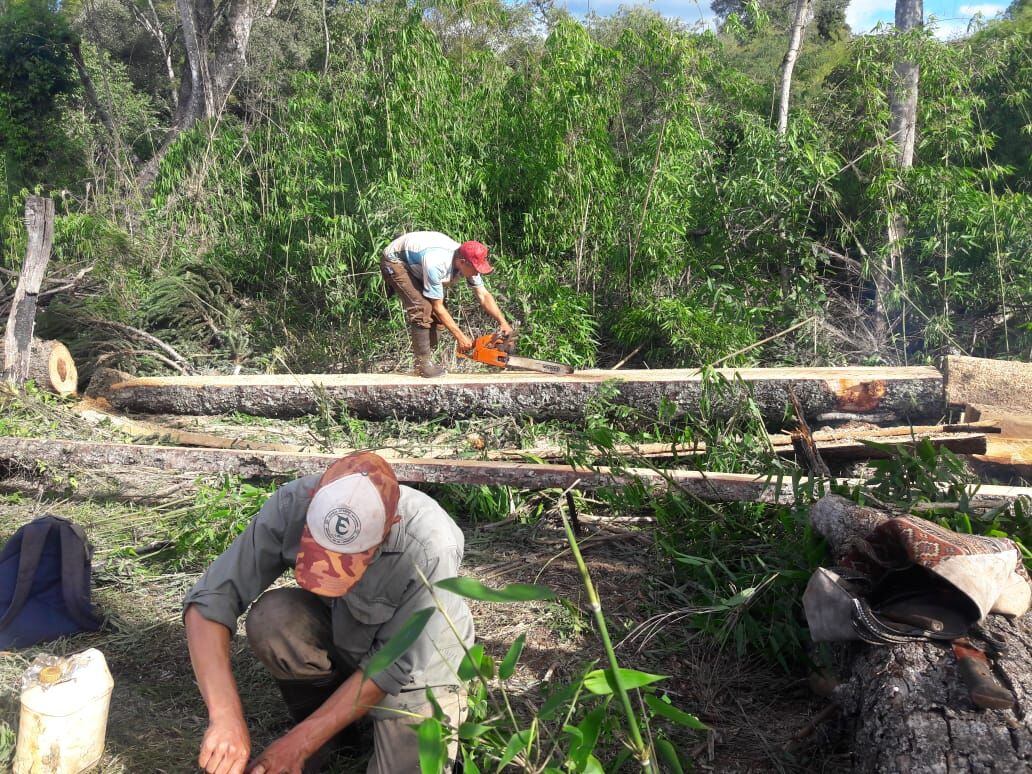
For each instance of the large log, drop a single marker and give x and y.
(905, 708)
(904, 392)
(21, 321)
(1011, 456)
(25, 453)
(992, 382)
(51, 367)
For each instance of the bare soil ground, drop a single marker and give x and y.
(157, 717)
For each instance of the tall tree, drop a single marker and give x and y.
(902, 132)
(802, 19)
(216, 41)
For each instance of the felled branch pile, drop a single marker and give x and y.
(906, 709)
(886, 392)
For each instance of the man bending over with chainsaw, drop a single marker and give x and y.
(417, 267)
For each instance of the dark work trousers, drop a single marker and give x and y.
(290, 631)
(396, 276)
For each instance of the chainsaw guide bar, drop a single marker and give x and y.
(493, 350)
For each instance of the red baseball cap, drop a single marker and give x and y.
(476, 254)
(350, 515)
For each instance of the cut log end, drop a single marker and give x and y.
(51, 367)
(63, 377)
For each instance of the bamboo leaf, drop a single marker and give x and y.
(508, 665)
(514, 592)
(670, 712)
(399, 643)
(600, 681)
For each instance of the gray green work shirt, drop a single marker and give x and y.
(363, 620)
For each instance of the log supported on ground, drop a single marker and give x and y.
(51, 367)
(990, 382)
(903, 392)
(905, 708)
(19, 455)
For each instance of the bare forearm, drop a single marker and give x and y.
(208, 642)
(355, 697)
(442, 314)
(489, 305)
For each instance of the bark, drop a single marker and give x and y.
(21, 455)
(909, 392)
(905, 708)
(903, 132)
(216, 56)
(988, 382)
(21, 320)
(802, 19)
(26, 453)
(51, 367)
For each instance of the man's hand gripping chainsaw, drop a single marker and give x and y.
(495, 349)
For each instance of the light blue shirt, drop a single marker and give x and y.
(429, 256)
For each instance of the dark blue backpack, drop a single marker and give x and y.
(45, 584)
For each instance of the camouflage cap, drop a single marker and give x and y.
(349, 517)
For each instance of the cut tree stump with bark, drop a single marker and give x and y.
(18, 455)
(21, 320)
(907, 392)
(989, 382)
(51, 367)
(905, 709)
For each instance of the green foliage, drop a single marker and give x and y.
(7, 744)
(212, 522)
(36, 70)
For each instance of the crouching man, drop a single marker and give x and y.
(358, 544)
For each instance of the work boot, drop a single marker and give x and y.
(425, 366)
(303, 697)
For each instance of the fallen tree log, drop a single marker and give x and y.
(21, 454)
(905, 392)
(51, 367)
(905, 708)
(991, 382)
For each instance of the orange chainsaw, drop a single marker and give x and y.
(495, 349)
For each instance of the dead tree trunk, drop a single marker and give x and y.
(802, 19)
(902, 132)
(21, 321)
(905, 708)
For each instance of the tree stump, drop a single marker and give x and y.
(51, 366)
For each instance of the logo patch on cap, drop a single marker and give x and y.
(342, 526)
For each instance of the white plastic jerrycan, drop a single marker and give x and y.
(64, 710)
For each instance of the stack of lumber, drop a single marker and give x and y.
(903, 393)
(1000, 392)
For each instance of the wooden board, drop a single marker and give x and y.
(904, 392)
(1013, 423)
(27, 453)
(991, 382)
